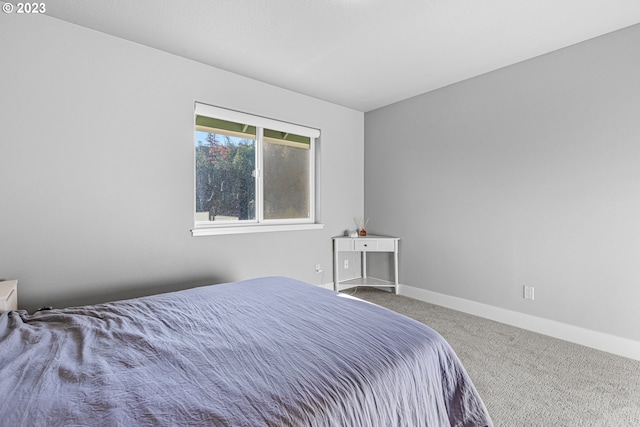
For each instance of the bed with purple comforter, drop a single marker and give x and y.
(264, 352)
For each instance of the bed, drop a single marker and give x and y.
(271, 351)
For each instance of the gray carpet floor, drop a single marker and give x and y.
(528, 379)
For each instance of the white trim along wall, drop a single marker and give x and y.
(588, 338)
(594, 339)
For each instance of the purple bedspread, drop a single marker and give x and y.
(264, 352)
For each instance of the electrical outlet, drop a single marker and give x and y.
(318, 269)
(528, 292)
(346, 264)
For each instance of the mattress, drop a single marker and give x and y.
(271, 351)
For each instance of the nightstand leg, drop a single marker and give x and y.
(335, 265)
(395, 267)
(364, 264)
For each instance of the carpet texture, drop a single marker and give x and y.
(528, 379)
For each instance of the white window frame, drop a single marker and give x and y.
(260, 224)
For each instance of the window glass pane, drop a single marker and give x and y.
(225, 165)
(286, 161)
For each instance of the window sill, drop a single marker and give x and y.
(221, 230)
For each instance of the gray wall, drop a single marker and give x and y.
(96, 173)
(529, 175)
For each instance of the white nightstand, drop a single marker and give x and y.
(366, 244)
(8, 295)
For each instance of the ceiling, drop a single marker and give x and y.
(362, 54)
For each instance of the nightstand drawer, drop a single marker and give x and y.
(365, 245)
(374, 245)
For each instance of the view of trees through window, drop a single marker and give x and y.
(226, 184)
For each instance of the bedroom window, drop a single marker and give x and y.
(252, 173)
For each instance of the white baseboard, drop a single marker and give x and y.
(610, 343)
